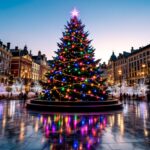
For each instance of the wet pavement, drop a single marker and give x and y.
(24, 130)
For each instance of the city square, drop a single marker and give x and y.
(78, 84)
(122, 130)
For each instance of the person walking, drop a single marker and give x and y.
(24, 98)
(124, 97)
(129, 98)
(137, 99)
(133, 98)
(148, 97)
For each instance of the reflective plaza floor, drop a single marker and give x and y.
(128, 129)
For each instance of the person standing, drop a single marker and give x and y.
(24, 98)
(148, 97)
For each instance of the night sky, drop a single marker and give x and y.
(114, 25)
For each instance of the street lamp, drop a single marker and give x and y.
(143, 71)
(120, 74)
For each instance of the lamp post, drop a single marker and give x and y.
(120, 74)
(143, 71)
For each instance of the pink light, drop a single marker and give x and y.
(86, 128)
(74, 13)
(53, 129)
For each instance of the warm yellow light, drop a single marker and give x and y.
(83, 69)
(68, 90)
(143, 65)
(94, 77)
(89, 92)
(119, 72)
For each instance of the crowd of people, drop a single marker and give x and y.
(125, 97)
(23, 96)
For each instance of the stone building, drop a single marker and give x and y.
(21, 64)
(42, 61)
(35, 71)
(131, 67)
(5, 62)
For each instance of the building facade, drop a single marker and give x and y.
(35, 71)
(21, 64)
(5, 62)
(41, 59)
(131, 67)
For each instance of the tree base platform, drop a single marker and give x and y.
(75, 106)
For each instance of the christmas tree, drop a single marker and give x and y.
(75, 74)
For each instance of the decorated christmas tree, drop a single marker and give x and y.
(75, 74)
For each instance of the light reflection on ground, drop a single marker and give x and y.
(24, 130)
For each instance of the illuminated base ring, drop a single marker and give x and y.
(65, 106)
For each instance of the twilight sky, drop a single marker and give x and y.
(113, 24)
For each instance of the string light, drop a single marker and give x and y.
(74, 71)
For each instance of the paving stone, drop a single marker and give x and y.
(124, 130)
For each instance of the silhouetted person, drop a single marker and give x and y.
(148, 97)
(120, 97)
(21, 96)
(129, 98)
(124, 97)
(11, 94)
(24, 97)
(36, 94)
(137, 98)
(133, 98)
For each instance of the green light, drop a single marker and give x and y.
(81, 53)
(59, 123)
(75, 69)
(75, 117)
(54, 117)
(63, 89)
(86, 80)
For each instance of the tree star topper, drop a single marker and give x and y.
(74, 13)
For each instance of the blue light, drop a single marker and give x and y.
(101, 119)
(95, 90)
(46, 91)
(83, 85)
(51, 77)
(84, 95)
(102, 98)
(75, 144)
(76, 65)
(60, 140)
(63, 80)
(60, 72)
(83, 122)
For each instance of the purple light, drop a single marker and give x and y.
(53, 129)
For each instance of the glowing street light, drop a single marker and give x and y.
(143, 65)
(120, 74)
